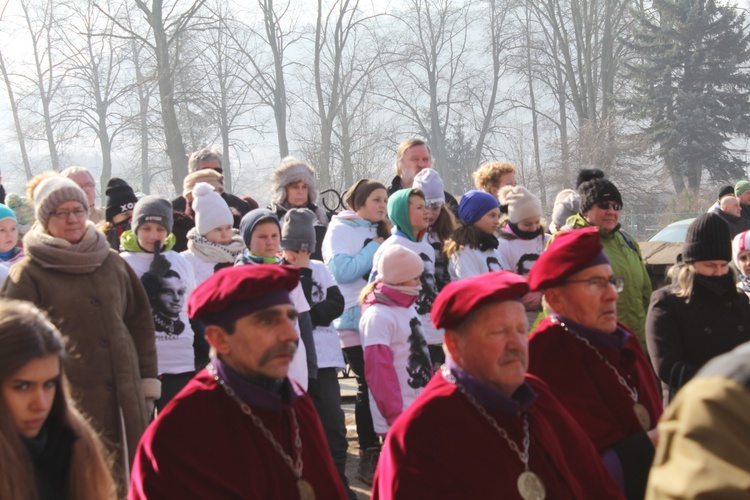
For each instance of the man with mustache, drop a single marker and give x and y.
(240, 428)
(594, 364)
(482, 427)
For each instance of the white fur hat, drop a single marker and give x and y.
(290, 171)
(520, 202)
(211, 211)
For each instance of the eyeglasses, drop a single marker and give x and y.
(64, 214)
(88, 185)
(598, 283)
(605, 205)
(434, 204)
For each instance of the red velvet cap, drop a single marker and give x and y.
(569, 252)
(460, 298)
(234, 292)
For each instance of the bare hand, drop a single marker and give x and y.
(297, 258)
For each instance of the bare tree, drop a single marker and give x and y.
(16, 119)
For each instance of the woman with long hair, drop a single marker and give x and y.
(48, 450)
(701, 314)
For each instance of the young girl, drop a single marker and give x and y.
(472, 249)
(523, 239)
(168, 279)
(10, 252)
(408, 212)
(47, 449)
(441, 222)
(741, 258)
(350, 243)
(397, 362)
(213, 243)
(121, 200)
(261, 234)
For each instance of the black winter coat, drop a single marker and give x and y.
(683, 336)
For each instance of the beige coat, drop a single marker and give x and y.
(106, 317)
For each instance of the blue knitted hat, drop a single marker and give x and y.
(474, 204)
(6, 213)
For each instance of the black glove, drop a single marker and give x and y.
(160, 265)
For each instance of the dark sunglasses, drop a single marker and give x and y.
(605, 205)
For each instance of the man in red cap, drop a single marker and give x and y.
(482, 427)
(594, 365)
(240, 428)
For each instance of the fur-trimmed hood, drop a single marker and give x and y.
(293, 170)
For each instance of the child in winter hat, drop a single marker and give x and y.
(741, 259)
(567, 203)
(152, 223)
(168, 279)
(10, 252)
(393, 336)
(298, 233)
(472, 249)
(213, 243)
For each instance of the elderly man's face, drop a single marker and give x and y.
(86, 182)
(494, 347)
(589, 303)
(262, 344)
(415, 159)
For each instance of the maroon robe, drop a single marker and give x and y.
(204, 446)
(593, 395)
(442, 447)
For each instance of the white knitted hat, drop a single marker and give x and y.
(429, 181)
(399, 264)
(521, 203)
(211, 211)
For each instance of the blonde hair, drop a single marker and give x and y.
(488, 174)
(406, 146)
(367, 290)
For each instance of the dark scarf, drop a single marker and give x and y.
(487, 241)
(525, 235)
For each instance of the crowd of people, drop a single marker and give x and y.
(192, 348)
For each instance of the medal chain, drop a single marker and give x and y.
(295, 465)
(523, 456)
(632, 391)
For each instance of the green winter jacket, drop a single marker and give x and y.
(627, 261)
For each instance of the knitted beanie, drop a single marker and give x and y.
(520, 202)
(357, 195)
(52, 192)
(567, 203)
(298, 232)
(474, 204)
(251, 219)
(206, 175)
(740, 245)
(6, 213)
(726, 190)
(399, 264)
(153, 209)
(429, 181)
(708, 238)
(120, 198)
(593, 188)
(741, 187)
(211, 211)
(290, 171)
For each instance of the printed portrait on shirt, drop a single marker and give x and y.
(418, 365)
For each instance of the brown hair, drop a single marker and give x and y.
(488, 174)
(25, 335)
(445, 224)
(465, 235)
(404, 147)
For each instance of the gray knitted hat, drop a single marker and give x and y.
(251, 219)
(153, 209)
(298, 232)
(52, 192)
